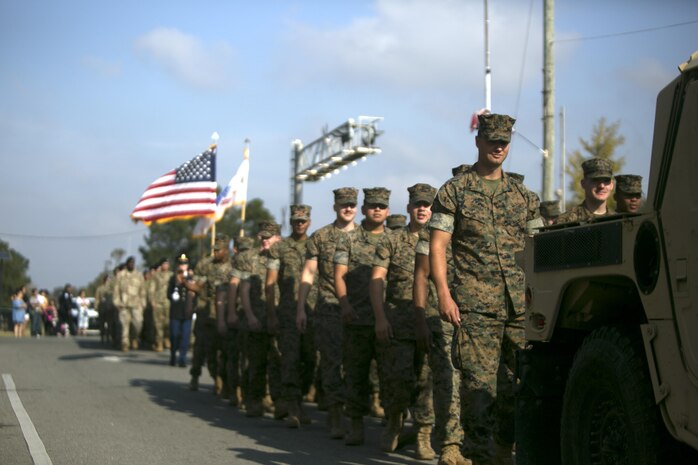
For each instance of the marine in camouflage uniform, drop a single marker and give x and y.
(598, 185)
(159, 281)
(209, 274)
(486, 215)
(353, 261)
(105, 308)
(549, 211)
(319, 257)
(396, 221)
(628, 194)
(250, 270)
(284, 269)
(129, 301)
(406, 378)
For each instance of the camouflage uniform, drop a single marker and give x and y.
(129, 300)
(209, 274)
(488, 225)
(328, 325)
(160, 280)
(396, 221)
(105, 308)
(593, 168)
(356, 251)
(446, 380)
(297, 350)
(627, 185)
(550, 210)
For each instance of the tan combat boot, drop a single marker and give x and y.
(134, 344)
(225, 391)
(124, 347)
(355, 435)
(268, 404)
(157, 347)
(424, 449)
(167, 343)
(376, 409)
(217, 385)
(391, 435)
(336, 428)
(293, 418)
(450, 455)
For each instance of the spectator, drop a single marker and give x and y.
(83, 305)
(66, 324)
(50, 318)
(19, 312)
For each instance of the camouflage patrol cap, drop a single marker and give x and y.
(345, 195)
(460, 169)
(421, 193)
(221, 242)
(595, 168)
(268, 229)
(396, 221)
(550, 208)
(516, 177)
(629, 183)
(300, 212)
(244, 243)
(376, 195)
(495, 127)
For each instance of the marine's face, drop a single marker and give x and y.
(628, 203)
(300, 227)
(375, 213)
(346, 212)
(220, 254)
(419, 212)
(491, 153)
(597, 188)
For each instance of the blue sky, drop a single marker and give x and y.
(97, 99)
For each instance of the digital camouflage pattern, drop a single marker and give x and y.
(550, 209)
(251, 266)
(376, 195)
(579, 214)
(129, 301)
(321, 248)
(287, 258)
(516, 177)
(594, 168)
(486, 234)
(395, 221)
(492, 126)
(210, 274)
(300, 212)
(421, 192)
(629, 184)
(345, 195)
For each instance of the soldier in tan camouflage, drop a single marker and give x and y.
(353, 260)
(598, 185)
(486, 215)
(159, 281)
(129, 301)
(319, 257)
(284, 269)
(628, 194)
(104, 305)
(406, 378)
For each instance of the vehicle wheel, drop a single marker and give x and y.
(608, 412)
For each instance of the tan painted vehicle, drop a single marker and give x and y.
(610, 372)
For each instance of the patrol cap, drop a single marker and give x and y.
(244, 243)
(300, 212)
(376, 195)
(421, 193)
(268, 229)
(596, 168)
(550, 208)
(396, 221)
(345, 195)
(495, 127)
(629, 183)
(460, 169)
(182, 260)
(516, 177)
(222, 241)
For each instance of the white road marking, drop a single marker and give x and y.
(34, 443)
(111, 358)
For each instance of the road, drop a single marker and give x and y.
(92, 405)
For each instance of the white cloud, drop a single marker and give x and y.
(410, 43)
(186, 57)
(101, 66)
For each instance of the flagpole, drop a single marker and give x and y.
(244, 204)
(214, 137)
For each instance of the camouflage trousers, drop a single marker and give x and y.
(230, 360)
(206, 346)
(161, 321)
(406, 380)
(359, 349)
(262, 355)
(446, 385)
(484, 350)
(298, 360)
(130, 316)
(328, 338)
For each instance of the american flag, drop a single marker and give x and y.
(181, 193)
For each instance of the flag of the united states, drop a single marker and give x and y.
(181, 193)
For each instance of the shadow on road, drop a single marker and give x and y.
(277, 444)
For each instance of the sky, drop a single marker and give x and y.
(98, 99)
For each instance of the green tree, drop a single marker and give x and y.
(13, 272)
(603, 143)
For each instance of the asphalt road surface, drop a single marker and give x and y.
(73, 401)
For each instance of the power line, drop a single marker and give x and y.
(626, 33)
(76, 237)
(523, 60)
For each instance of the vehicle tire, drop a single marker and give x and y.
(608, 411)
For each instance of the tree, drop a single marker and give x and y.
(13, 272)
(603, 143)
(117, 255)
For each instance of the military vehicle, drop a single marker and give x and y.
(610, 370)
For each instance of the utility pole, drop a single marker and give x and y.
(548, 98)
(488, 69)
(563, 160)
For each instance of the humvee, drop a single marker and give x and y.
(609, 374)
